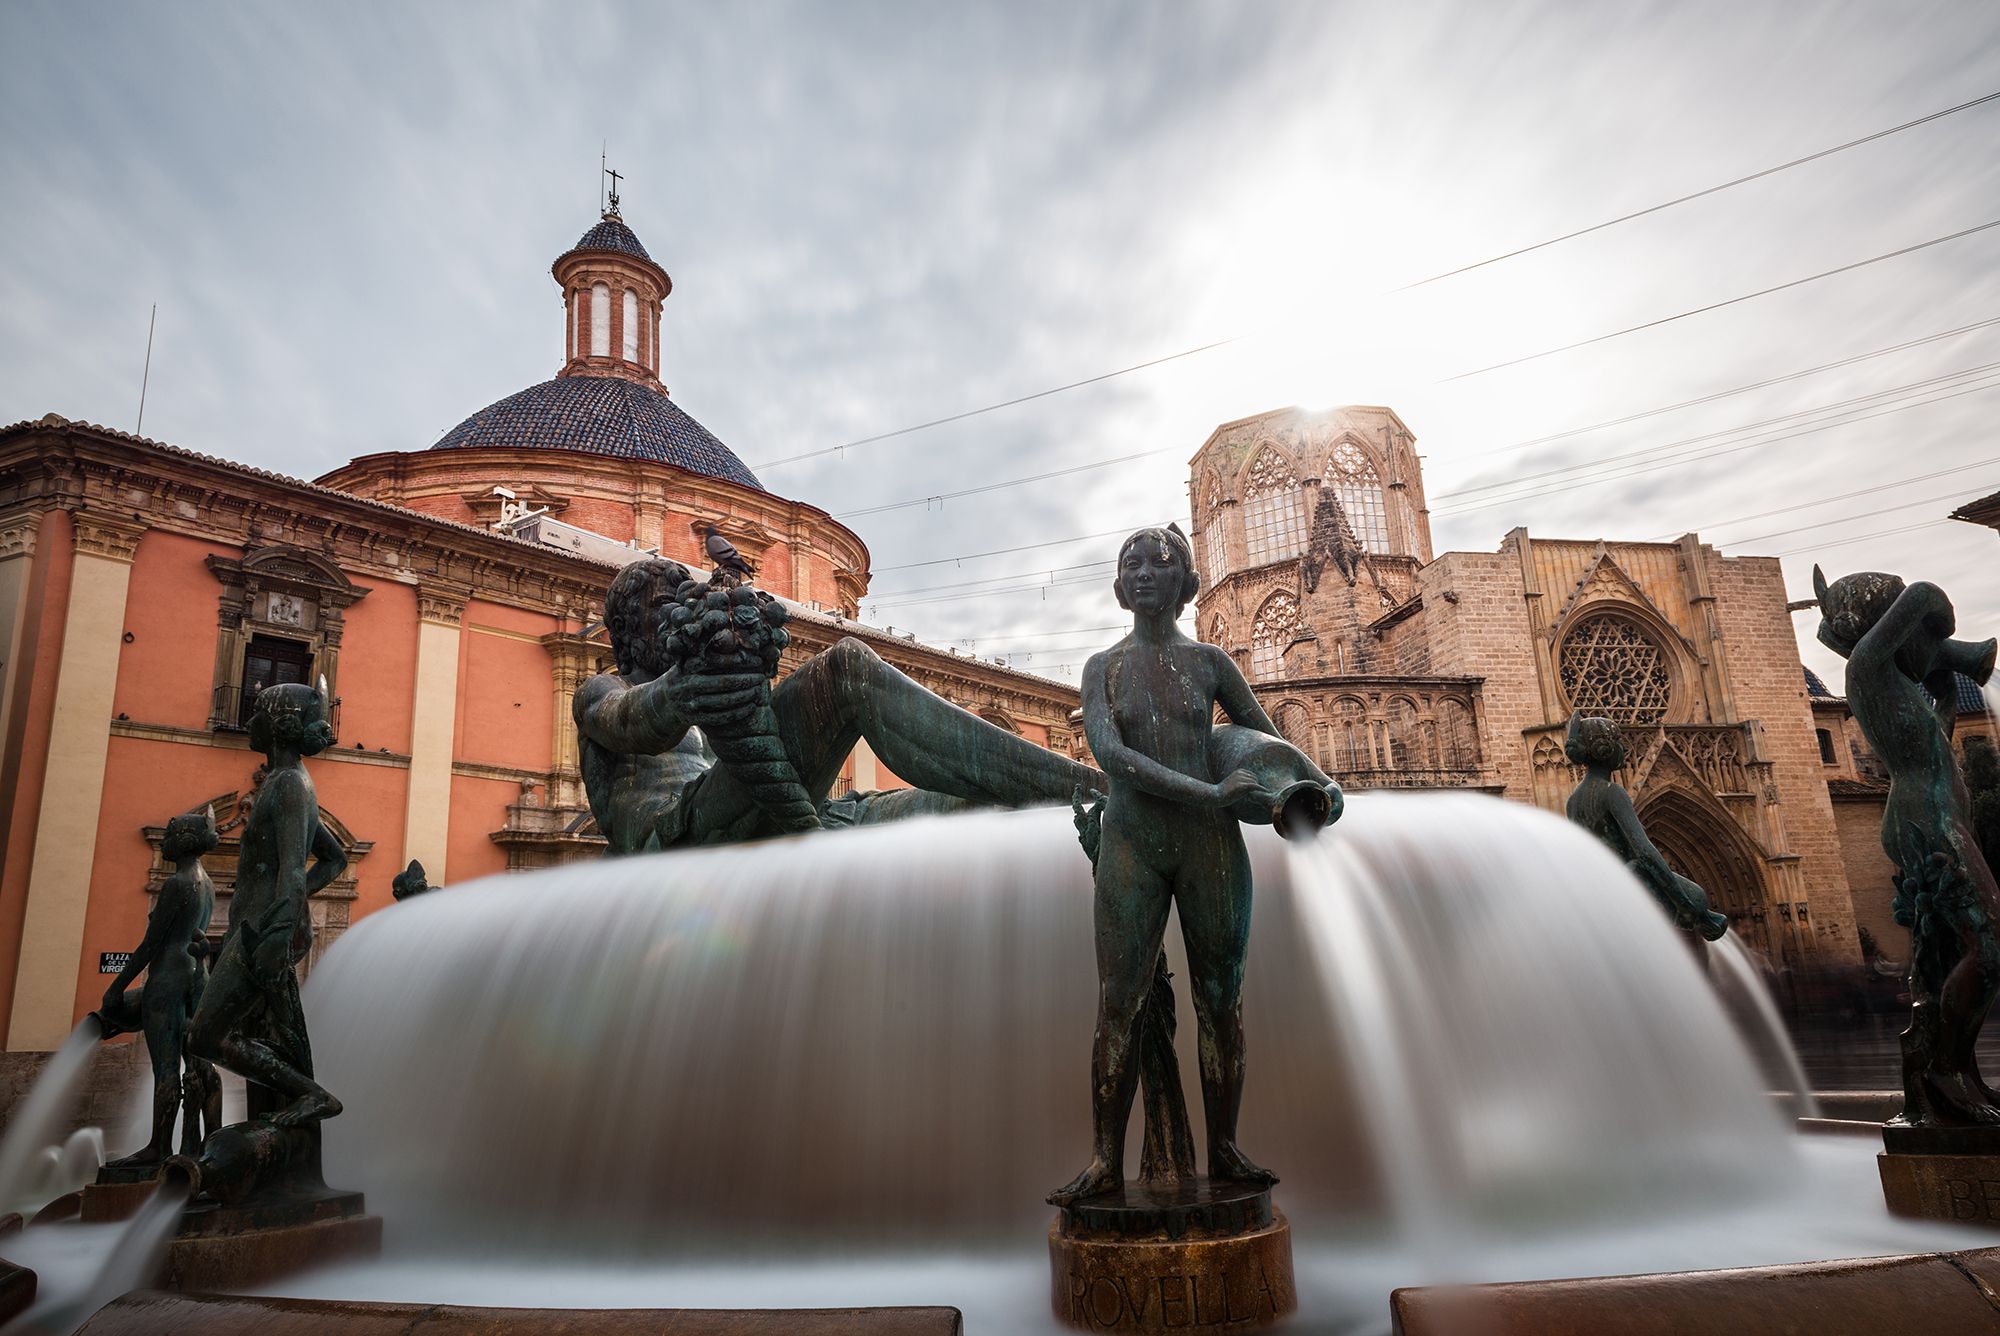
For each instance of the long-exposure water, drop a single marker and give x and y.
(844, 1069)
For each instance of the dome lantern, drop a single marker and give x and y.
(612, 291)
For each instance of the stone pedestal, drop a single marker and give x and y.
(236, 1246)
(1942, 1173)
(1189, 1257)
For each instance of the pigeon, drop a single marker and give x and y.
(725, 556)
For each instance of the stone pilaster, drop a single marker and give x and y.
(433, 728)
(18, 531)
(73, 784)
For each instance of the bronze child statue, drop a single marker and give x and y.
(171, 955)
(249, 1020)
(1170, 837)
(1897, 640)
(1605, 810)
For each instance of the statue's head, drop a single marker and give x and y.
(189, 835)
(1594, 741)
(1162, 563)
(1851, 605)
(412, 880)
(291, 716)
(633, 607)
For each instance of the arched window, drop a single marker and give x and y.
(1458, 741)
(1296, 725)
(1350, 749)
(631, 325)
(1214, 553)
(1274, 510)
(1612, 667)
(1276, 627)
(1406, 744)
(1359, 488)
(600, 321)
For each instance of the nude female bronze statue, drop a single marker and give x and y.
(1605, 810)
(249, 1021)
(1901, 657)
(171, 955)
(1170, 837)
(654, 782)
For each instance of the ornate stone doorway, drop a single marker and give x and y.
(1704, 845)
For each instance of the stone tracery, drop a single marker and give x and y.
(1609, 666)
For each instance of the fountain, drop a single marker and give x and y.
(837, 1069)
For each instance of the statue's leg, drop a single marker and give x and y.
(1963, 1002)
(1213, 891)
(163, 1050)
(217, 1034)
(848, 694)
(1131, 905)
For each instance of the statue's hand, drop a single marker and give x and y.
(717, 702)
(1238, 785)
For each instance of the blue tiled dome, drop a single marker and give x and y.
(612, 235)
(604, 415)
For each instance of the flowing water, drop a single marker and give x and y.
(33, 1167)
(80, 1268)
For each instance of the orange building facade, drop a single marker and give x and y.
(452, 599)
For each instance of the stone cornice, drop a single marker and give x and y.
(443, 604)
(58, 464)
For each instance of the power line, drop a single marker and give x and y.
(939, 498)
(1742, 389)
(1954, 495)
(1219, 343)
(1844, 496)
(1716, 306)
(1051, 572)
(1712, 453)
(1003, 551)
(992, 408)
(1702, 194)
(1909, 387)
(1860, 538)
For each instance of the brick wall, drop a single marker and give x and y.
(1766, 684)
(1482, 630)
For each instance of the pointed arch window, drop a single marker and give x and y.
(1274, 510)
(1277, 625)
(1354, 480)
(1349, 748)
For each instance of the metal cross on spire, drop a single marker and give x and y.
(612, 211)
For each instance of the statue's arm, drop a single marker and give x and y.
(1233, 694)
(630, 720)
(329, 859)
(1920, 606)
(1125, 765)
(1639, 849)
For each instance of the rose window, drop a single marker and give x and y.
(1611, 668)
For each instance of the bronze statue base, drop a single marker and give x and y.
(1941, 1173)
(233, 1247)
(1193, 1257)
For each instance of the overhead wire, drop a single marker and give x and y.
(1717, 306)
(1703, 194)
(1491, 260)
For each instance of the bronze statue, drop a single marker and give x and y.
(171, 955)
(1605, 810)
(1169, 837)
(1901, 658)
(410, 881)
(249, 1020)
(654, 780)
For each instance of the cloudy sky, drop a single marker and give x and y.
(879, 215)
